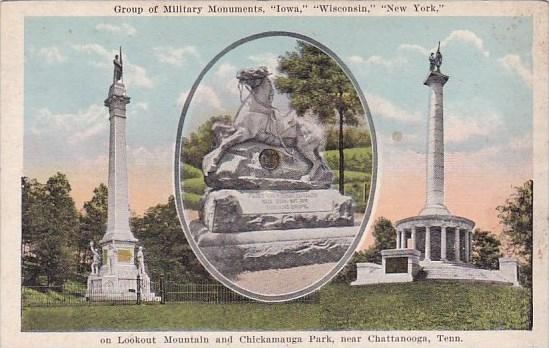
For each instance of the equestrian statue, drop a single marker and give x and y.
(257, 119)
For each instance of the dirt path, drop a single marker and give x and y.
(280, 281)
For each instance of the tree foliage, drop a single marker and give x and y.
(55, 238)
(165, 246)
(384, 238)
(315, 83)
(355, 136)
(200, 142)
(93, 225)
(50, 229)
(486, 249)
(516, 215)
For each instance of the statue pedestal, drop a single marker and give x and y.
(250, 230)
(120, 282)
(237, 252)
(229, 211)
(113, 287)
(265, 208)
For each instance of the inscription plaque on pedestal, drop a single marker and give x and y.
(396, 265)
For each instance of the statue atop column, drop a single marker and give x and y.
(432, 62)
(117, 61)
(435, 60)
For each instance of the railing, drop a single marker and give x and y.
(164, 292)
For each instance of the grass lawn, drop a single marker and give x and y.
(420, 305)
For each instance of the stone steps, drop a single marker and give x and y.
(455, 272)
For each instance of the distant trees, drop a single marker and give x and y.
(200, 142)
(315, 82)
(486, 249)
(354, 137)
(55, 237)
(49, 229)
(93, 224)
(166, 248)
(516, 215)
(385, 238)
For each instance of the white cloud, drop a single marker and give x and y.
(268, 59)
(378, 60)
(460, 127)
(143, 156)
(513, 63)
(458, 161)
(226, 75)
(416, 48)
(464, 36)
(382, 107)
(143, 106)
(76, 127)
(204, 96)
(175, 56)
(123, 28)
(134, 75)
(521, 143)
(94, 49)
(468, 37)
(51, 54)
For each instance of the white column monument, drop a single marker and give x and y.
(434, 213)
(117, 277)
(434, 203)
(434, 218)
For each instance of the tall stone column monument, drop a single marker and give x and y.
(117, 276)
(435, 232)
(435, 241)
(434, 204)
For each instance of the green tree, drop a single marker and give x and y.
(33, 223)
(199, 143)
(385, 238)
(355, 136)
(516, 215)
(315, 82)
(50, 228)
(165, 246)
(93, 225)
(486, 249)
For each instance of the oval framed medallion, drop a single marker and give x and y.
(269, 218)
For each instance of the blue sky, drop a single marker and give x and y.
(68, 69)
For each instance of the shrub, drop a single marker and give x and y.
(190, 172)
(194, 185)
(192, 201)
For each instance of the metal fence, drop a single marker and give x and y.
(73, 294)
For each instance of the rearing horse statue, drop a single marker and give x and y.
(257, 119)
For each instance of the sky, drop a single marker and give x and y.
(487, 101)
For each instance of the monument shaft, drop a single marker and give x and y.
(118, 227)
(118, 277)
(434, 203)
(435, 151)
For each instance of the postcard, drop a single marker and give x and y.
(274, 174)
